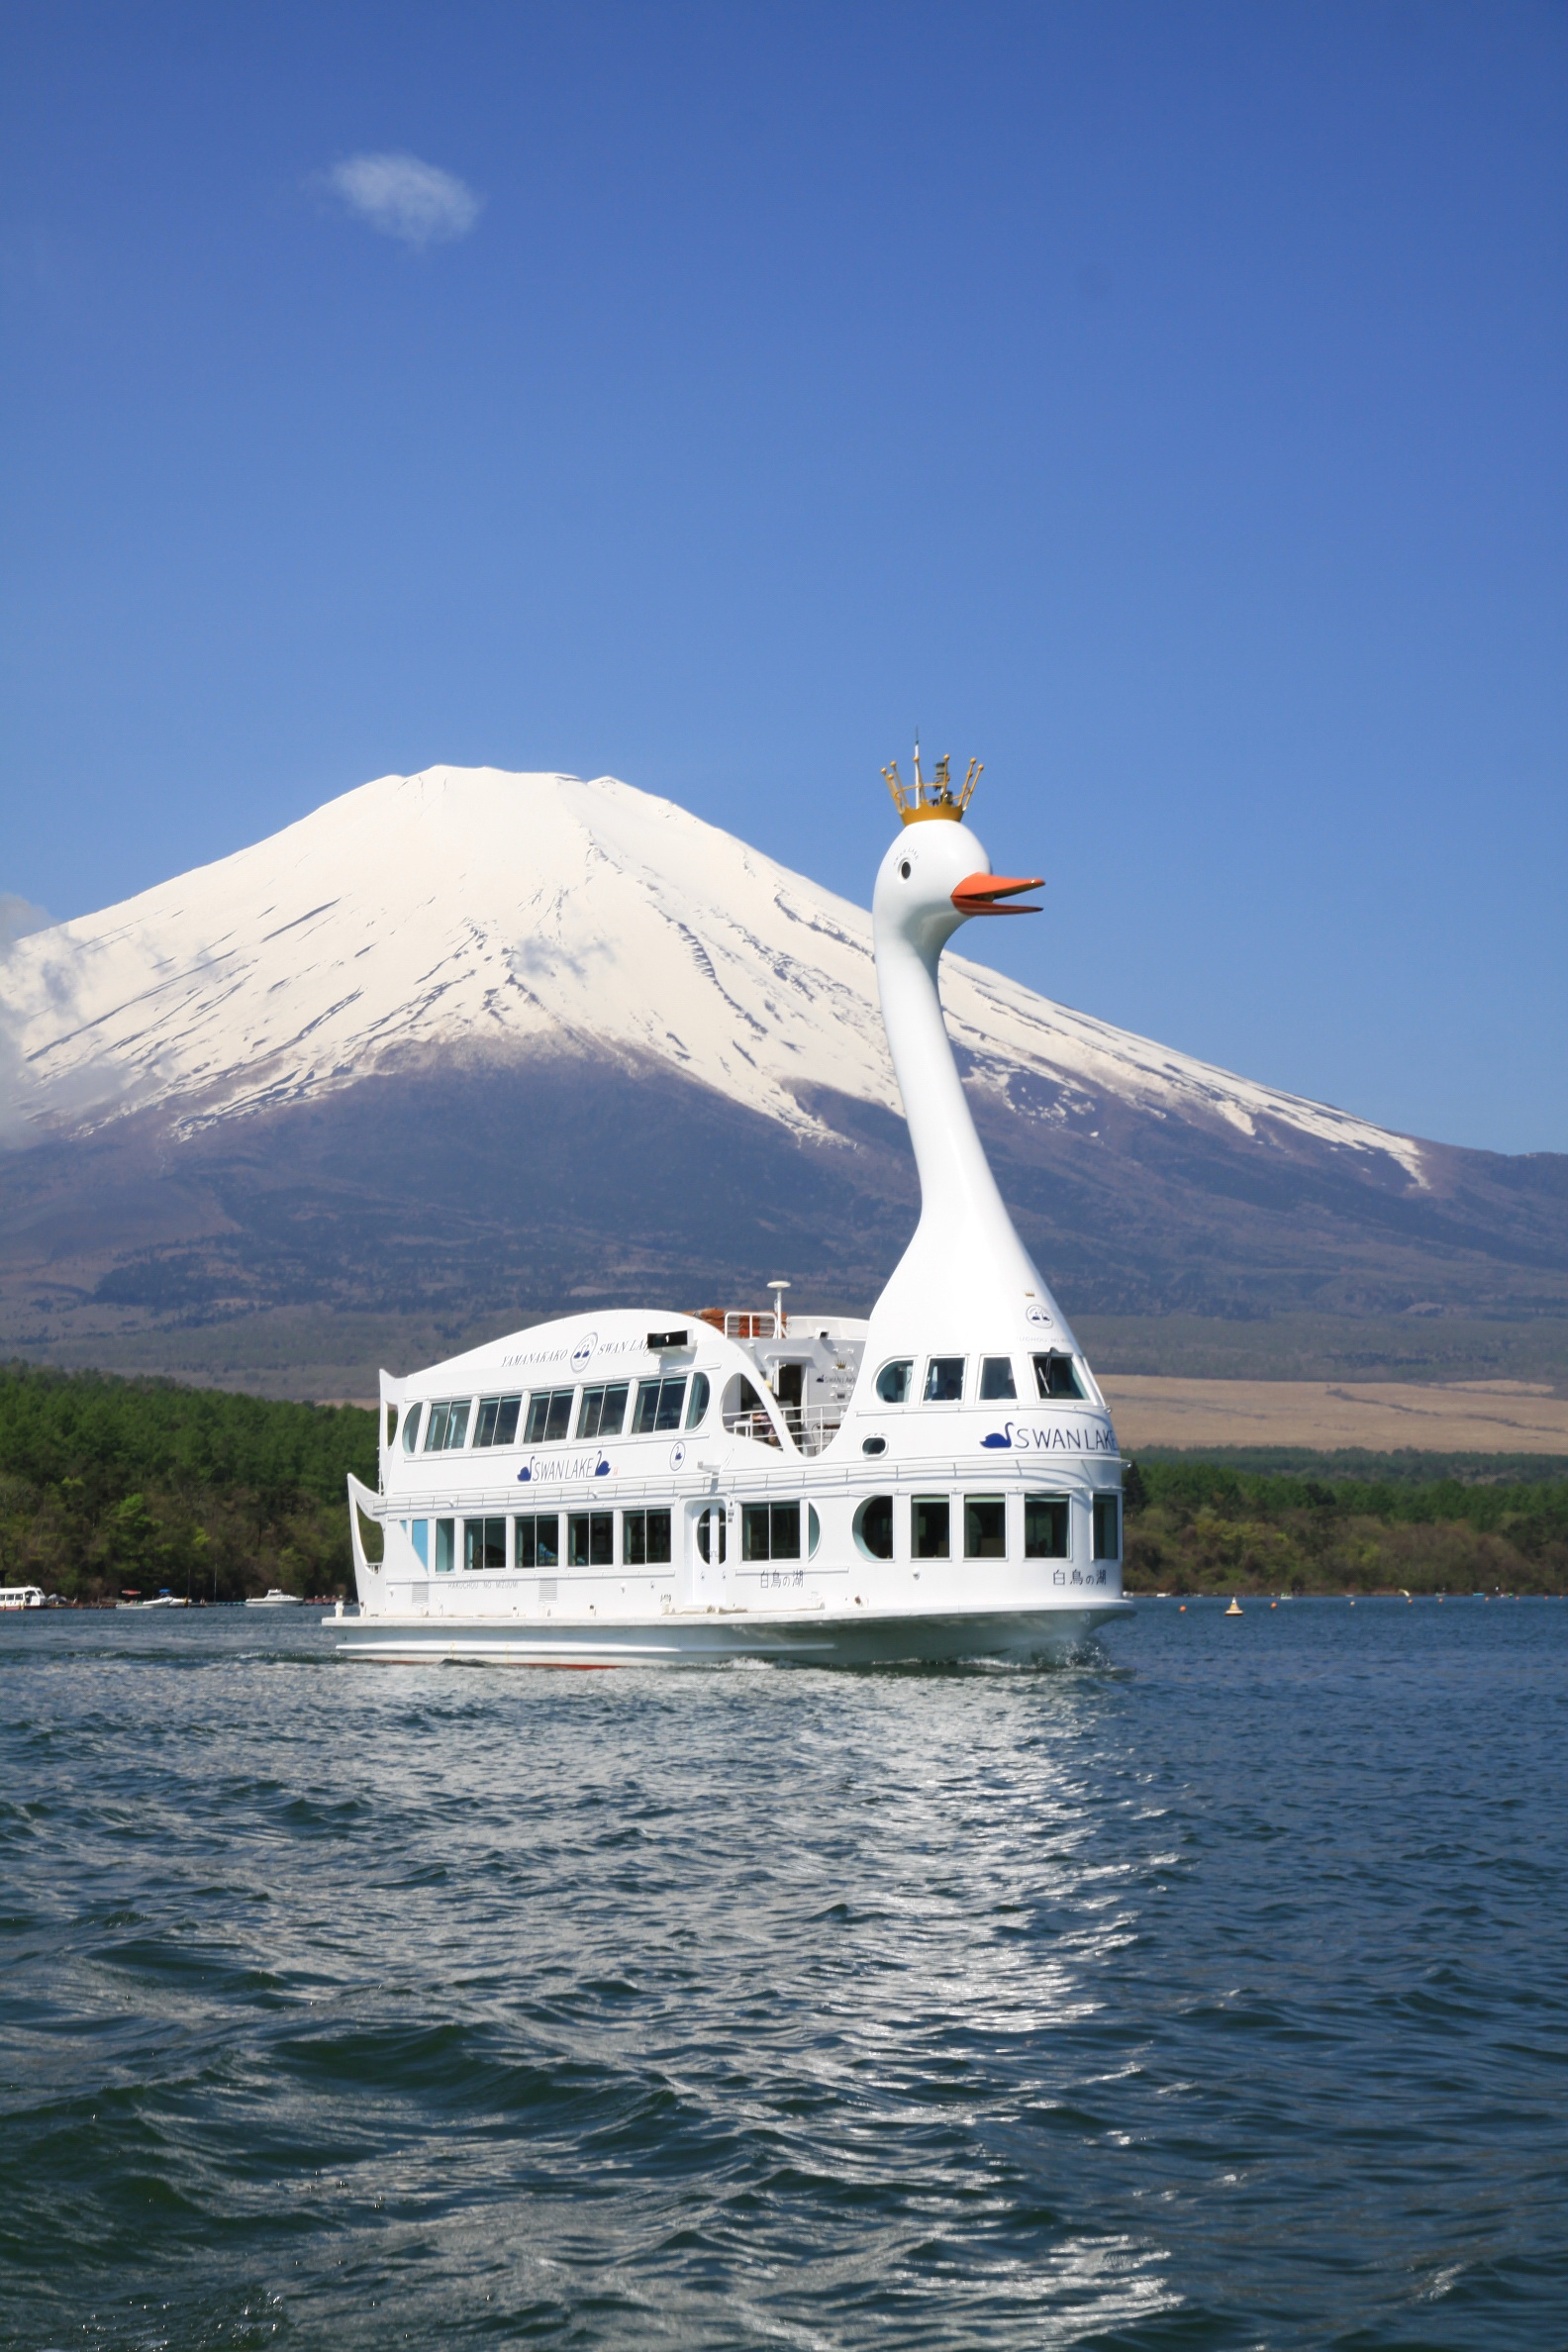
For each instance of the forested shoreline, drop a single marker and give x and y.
(112, 1484)
(109, 1485)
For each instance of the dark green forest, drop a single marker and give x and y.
(1396, 1524)
(109, 1486)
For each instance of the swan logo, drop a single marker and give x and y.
(564, 1467)
(997, 1437)
(582, 1353)
(677, 1454)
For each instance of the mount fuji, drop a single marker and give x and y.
(464, 1047)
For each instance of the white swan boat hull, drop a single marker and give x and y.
(1025, 1636)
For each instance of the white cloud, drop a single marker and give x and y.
(403, 197)
(18, 917)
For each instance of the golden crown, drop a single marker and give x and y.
(933, 795)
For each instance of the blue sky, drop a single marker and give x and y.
(1164, 402)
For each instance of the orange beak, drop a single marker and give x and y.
(977, 894)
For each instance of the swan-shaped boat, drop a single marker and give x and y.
(941, 1482)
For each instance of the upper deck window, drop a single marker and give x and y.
(996, 1378)
(945, 1380)
(894, 1381)
(1058, 1376)
(602, 1412)
(447, 1426)
(498, 1421)
(548, 1416)
(658, 1404)
(411, 1422)
(696, 1408)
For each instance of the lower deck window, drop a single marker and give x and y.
(484, 1543)
(590, 1539)
(1108, 1527)
(535, 1541)
(446, 1547)
(985, 1528)
(645, 1539)
(419, 1531)
(928, 1527)
(770, 1531)
(1046, 1525)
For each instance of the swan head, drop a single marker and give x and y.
(934, 878)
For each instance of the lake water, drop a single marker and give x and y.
(1211, 1994)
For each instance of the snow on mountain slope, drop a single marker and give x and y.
(466, 906)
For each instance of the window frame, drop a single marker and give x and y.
(932, 1363)
(894, 1364)
(972, 1503)
(602, 1389)
(655, 1386)
(1007, 1396)
(494, 1407)
(1058, 1501)
(600, 1525)
(486, 1566)
(1105, 1498)
(1076, 1395)
(919, 1503)
(534, 1520)
(857, 1528)
(549, 1397)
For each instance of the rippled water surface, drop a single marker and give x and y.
(1209, 1994)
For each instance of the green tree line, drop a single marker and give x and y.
(1204, 1528)
(110, 1485)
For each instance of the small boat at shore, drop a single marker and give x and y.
(275, 1599)
(158, 1601)
(939, 1481)
(23, 1596)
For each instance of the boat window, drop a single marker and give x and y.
(645, 1539)
(391, 1422)
(873, 1527)
(418, 1529)
(448, 1426)
(696, 1408)
(536, 1540)
(770, 1531)
(1056, 1376)
(894, 1381)
(602, 1412)
(985, 1528)
(658, 1404)
(498, 1421)
(1108, 1527)
(928, 1527)
(411, 1422)
(484, 1545)
(712, 1535)
(813, 1530)
(590, 1538)
(446, 1547)
(548, 1416)
(996, 1378)
(1047, 1524)
(945, 1380)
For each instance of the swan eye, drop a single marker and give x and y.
(904, 869)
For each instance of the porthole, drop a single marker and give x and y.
(904, 870)
(873, 1528)
(873, 1446)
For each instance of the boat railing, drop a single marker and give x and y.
(811, 1427)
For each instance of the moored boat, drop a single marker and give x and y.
(938, 1482)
